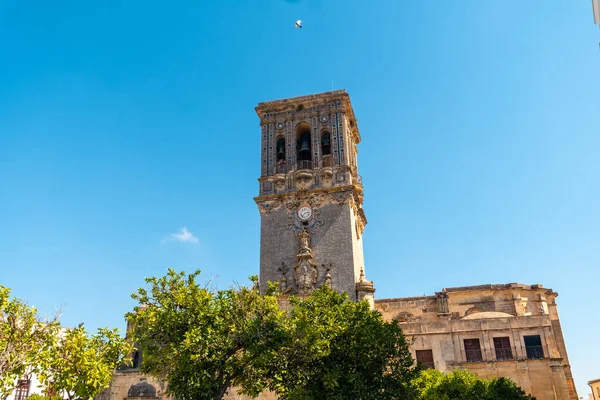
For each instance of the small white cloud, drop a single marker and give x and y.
(183, 235)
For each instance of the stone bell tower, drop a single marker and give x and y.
(311, 196)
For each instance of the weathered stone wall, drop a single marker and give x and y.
(487, 312)
(123, 380)
(408, 309)
(333, 242)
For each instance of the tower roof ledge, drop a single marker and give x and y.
(318, 97)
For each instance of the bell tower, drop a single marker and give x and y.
(311, 196)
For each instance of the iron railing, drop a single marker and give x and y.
(504, 353)
(534, 352)
(304, 164)
(473, 355)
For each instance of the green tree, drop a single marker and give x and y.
(80, 365)
(336, 348)
(23, 336)
(203, 341)
(463, 385)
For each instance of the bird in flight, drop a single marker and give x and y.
(298, 24)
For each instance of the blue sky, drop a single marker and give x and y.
(122, 122)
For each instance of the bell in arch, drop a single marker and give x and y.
(304, 151)
(326, 144)
(304, 146)
(281, 149)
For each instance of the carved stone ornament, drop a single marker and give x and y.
(316, 199)
(283, 285)
(305, 271)
(265, 207)
(298, 225)
(442, 303)
(280, 180)
(303, 179)
(326, 176)
(364, 285)
(328, 275)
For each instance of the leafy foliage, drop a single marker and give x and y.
(340, 349)
(326, 347)
(463, 385)
(36, 396)
(82, 365)
(323, 347)
(23, 335)
(201, 341)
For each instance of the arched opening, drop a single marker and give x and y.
(403, 317)
(135, 362)
(326, 148)
(280, 155)
(303, 147)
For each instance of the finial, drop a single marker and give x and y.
(362, 274)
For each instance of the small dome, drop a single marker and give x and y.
(142, 389)
(488, 314)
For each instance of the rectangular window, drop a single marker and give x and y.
(22, 390)
(533, 347)
(473, 350)
(425, 357)
(502, 347)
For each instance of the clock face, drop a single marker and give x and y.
(304, 213)
(280, 125)
(324, 118)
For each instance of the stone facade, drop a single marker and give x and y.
(129, 384)
(509, 330)
(310, 190)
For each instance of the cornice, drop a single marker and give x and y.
(269, 111)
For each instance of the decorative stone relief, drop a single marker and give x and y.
(283, 285)
(326, 176)
(328, 274)
(303, 179)
(265, 207)
(305, 271)
(280, 180)
(442, 303)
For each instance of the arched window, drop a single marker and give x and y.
(303, 147)
(326, 143)
(280, 155)
(326, 149)
(280, 148)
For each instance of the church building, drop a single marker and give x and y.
(312, 223)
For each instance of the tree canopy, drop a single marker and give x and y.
(464, 385)
(67, 361)
(202, 341)
(80, 365)
(323, 347)
(326, 347)
(23, 335)
(337, 349)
